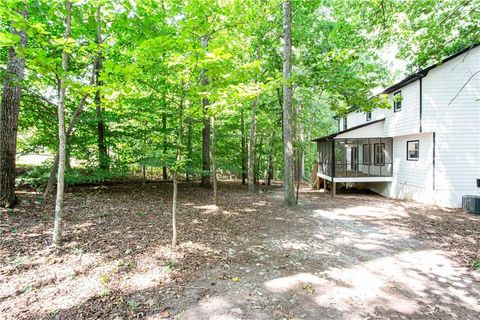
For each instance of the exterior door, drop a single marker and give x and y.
(354, 158)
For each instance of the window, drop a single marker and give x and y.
(366, 154)
(379, 154)
(344, 123)
(413, 150)
(397, 101)
(369, 115)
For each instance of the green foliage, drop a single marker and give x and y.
(170, 265)
(476, 264)
(133, 305)
(38, 176)
(153, 58)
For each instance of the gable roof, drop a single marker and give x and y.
(422, 73)
(333, 135)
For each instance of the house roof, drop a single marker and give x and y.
(422, 73)
(333, 135)
(419, 74)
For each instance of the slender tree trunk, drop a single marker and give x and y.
(103, 159)
(164, 127)
(9, 109)
(68, 165)
(289, 191)
(270, 160)
(302, 157)
(57, 229)
(301, 152)
(258, 161)
(71, 126)
(206, 129)
(244, 146)
(144, 166)
(189, 146)
(298, 181)
(251, 149)
(175, 176)
(214, 164)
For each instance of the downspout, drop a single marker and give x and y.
(421, 102)
(433, 160)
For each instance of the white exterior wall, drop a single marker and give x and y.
(407, 120)
(411, 180)
(457, 124)
(357, 118)
(457, 134)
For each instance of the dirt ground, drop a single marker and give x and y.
(356, 256)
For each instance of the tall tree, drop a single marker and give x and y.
(214, 163)
(289, 163)
(103, 159)
(251, 148)
(164, 128)
(57, 229)
(175, 175)
(205, 182)
(244, 145)
(9, 110)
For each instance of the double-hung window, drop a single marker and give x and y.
(366, 154)
(413, 150)
(369, 115)
(397, 101)
(379, 154)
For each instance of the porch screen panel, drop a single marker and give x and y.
(340, 158)
(388, 151)
(324, 157)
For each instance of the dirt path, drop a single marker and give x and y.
(350, 257)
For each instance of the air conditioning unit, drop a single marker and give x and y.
(471, 204)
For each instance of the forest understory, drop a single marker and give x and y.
(348, 257)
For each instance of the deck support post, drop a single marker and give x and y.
(324, 185)
(334, 189)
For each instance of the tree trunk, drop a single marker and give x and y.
(73, 121)
(244, 147)
(164, 127)
(258, 161)
(144, 176)
(189, 146)
(68, 164)
(103, 160)
(175, 176)
(57, 229)
(206, 129)
(214, 164)
(301, 152)
(9, 109)
(251, 149)
(289, 191)
(270, 160)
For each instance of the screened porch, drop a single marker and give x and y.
(351, 159)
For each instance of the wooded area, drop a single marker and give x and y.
(139, 82)
(198, 91)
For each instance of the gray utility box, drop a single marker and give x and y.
(471, 204)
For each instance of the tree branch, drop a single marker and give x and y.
(463, 87)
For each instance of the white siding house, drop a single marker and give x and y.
(425, 148)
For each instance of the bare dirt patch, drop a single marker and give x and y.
(353, 256)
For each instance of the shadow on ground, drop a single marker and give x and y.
(353, 256)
